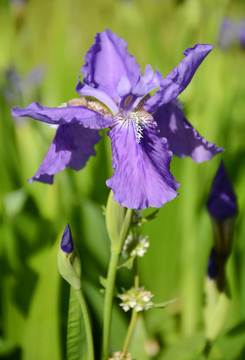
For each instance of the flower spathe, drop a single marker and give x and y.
(115, 95)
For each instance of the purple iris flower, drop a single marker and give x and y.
(232, 32)
(222, 202)
(144, 129)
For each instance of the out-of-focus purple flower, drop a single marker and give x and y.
(67, 242)
(114, 94)
(242, 34)
(231, 33)
(17, 1)
(222, 203)
(19, 87)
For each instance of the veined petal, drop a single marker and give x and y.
(106, 62)
(183, 138)
(71, 147)
(176, 81)
(146, 83)
(63, 115)
(141, 164)
(149, 81)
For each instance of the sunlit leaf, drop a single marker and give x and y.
(77, 348)
(42, 337)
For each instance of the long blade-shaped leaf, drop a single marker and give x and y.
(77, 347)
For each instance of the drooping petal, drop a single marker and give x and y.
(62, 115)
(141, 164)
(183, 138)
(176, 81)
(72, 146)
(107, 61)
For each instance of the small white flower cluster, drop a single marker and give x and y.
(141, 247)
(139, 299)
(121, 356)
(130, 250)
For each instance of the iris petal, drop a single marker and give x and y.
(176, 81)
(183, 138)
(141, 166)
(100, 95)
(62, 115)
(109, 52)
(71, 147)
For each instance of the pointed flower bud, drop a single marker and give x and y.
(68, 260)
(67, 242)
(222, 207)
(222, 203)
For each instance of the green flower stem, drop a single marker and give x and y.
(130, 330)
(134, 312)
(87, 323)
(110, 283)
(108, 304)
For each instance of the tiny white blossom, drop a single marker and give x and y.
(138, 299)
(138, 308)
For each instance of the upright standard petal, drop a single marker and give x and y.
(63, 115)
(147, 82)
(183, 139)
(176, 81)
(107, 61)
(141, 163)
(71, 147)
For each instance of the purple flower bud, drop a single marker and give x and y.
(67, 242)
(222, 203)
(242, 34)
(226, 33)
(212, 265)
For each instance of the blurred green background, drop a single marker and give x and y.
(42, 45)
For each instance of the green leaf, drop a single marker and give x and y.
(42, 335)
(185, 349)
(77, 348)
(128, 263)
(231, 345)
(7, 347)
(164, 304)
